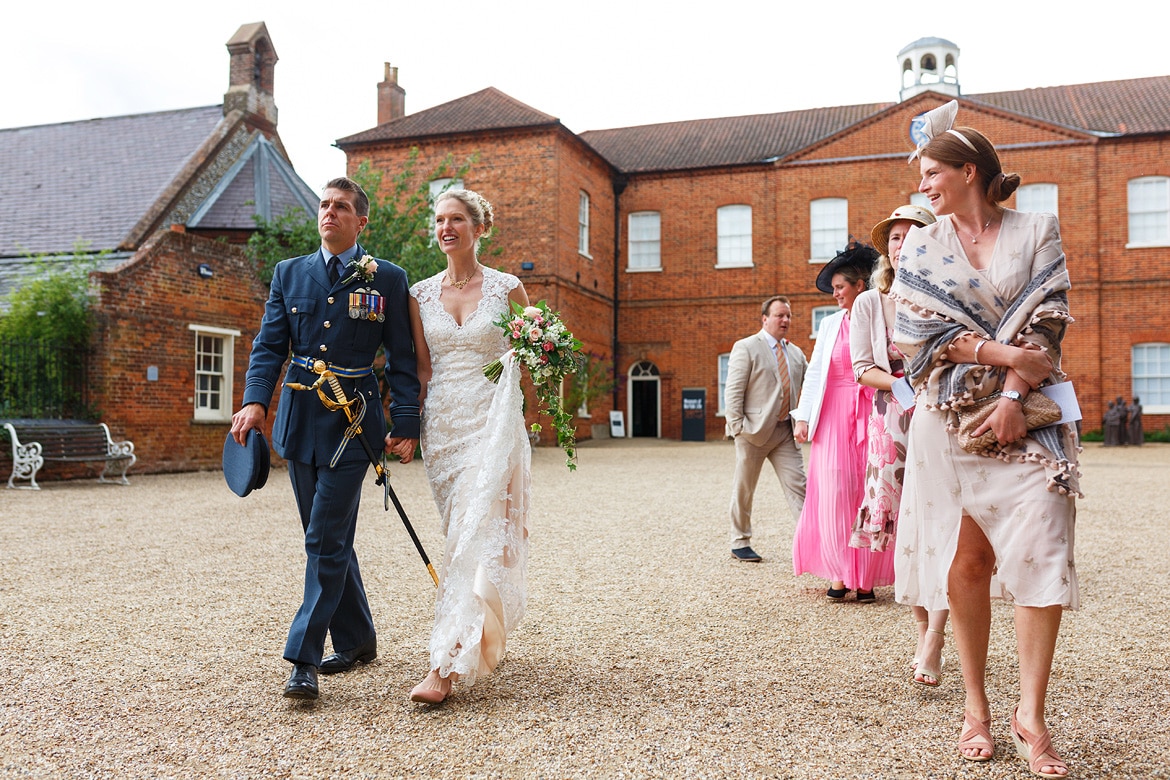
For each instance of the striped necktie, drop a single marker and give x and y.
(785, 381)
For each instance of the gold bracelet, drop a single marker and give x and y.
(978, 347)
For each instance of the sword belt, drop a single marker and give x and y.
(318, 366)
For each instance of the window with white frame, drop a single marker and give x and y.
(1151, 376)
(828, 226)
(920, 200)
(214, 363)
(734, 229)
(439, 186)
(645, 246)
(1149, 210)
(583, 223)
(819, 313)
(1037, 198)
(724, 361)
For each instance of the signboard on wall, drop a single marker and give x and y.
(617, 425)
(694, 414)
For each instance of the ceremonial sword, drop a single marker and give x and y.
(355, 429)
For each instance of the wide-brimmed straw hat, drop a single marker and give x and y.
(858, 255)
(880, 235)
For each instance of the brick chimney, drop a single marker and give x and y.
(250, 80)
(391, 97)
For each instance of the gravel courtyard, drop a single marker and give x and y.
(141, 629)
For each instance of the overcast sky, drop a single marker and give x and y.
(594, 65)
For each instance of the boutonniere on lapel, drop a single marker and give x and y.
(364, 269)
(365, 303)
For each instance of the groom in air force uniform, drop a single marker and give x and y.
(332, 310)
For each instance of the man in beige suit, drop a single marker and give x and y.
(764, 375)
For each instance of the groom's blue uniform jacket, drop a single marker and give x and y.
(308, 315)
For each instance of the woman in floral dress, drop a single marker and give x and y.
(878, 363)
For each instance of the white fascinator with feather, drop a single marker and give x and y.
(934, 123)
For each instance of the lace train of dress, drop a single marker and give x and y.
(478, 462)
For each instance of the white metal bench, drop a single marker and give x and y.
(67, 441)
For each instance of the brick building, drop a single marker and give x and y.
(163, 201)
(659, 242)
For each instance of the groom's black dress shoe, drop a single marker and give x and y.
(343, 662)
(302, 683)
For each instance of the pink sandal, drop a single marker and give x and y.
(1037, 750)
(976, 734)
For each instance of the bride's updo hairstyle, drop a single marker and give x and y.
(477, 206)
(949, 150)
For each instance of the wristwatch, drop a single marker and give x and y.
(1014, 395)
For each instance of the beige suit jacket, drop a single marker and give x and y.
(752, 390)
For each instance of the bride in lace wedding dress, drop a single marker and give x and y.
(475, 449)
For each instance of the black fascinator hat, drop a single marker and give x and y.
(857, 255)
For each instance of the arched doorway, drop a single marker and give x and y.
(644, 400)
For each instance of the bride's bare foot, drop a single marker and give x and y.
(432, 690)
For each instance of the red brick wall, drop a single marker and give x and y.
(683, 317)
(533, 180)
(143, 311)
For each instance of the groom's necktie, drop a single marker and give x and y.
(334, 269)
(785, 381)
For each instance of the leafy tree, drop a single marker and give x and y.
(52, 305)
(593, 379)
(46, 332)
(399, 229)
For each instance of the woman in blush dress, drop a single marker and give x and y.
(982, 298)
(475, 449)
(878, 363)
(832, 415)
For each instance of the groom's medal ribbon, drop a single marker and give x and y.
(365, 304)
(354, 430)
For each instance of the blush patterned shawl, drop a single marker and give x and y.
(940, 297)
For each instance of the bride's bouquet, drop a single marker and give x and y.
(541, 342)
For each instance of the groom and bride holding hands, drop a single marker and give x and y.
(437, 336)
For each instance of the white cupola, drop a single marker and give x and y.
(929, 64)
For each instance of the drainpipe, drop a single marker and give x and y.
(619, 186)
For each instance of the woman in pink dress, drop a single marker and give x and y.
(832, 414)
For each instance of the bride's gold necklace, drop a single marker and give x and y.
(463, 283)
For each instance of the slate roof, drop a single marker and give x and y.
(92, 180)
(260, 182)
